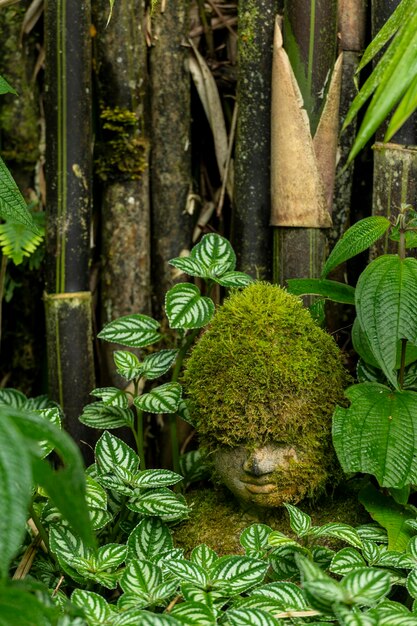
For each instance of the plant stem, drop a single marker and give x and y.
(40, 527)
(139, 438)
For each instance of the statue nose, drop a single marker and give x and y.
(258, 463)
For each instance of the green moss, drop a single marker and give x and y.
(262, 370)
(122, 153)
(248, 28)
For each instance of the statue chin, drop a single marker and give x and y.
(266, 476)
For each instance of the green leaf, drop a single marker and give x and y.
(188, 572)
(142, 576)
(148, 539)
(12, 204)
(188, 265)
(322, 592)
(237, 574)
(111, 396)
(100, 416)
(278, 539)
(18, 607)
(156, 478)
(145, 618)
(158, 363)
(215, 254)
(113, 455)
(5, 87)
(346, 561)
(330, 289)
(356, 239)
(389, 613)
(234, 279)
(255, 537)
(134, 331)
(386, 305)
(366, 586)
(372, 532)
(204, 556)
(390, 515)
(186, 308)
(159, 503)
(68, 546)
(338, 531)
(250, 617)
(289, 596)
(15, 489)
(162, 399)
(17, 241)
(300, 522)
(412, 583)
(96, 610)
(377, 435)
(127, 364)
(13, 398)
(363, 348)
(197, 613)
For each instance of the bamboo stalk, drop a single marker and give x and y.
(68, 179)
(252, 203)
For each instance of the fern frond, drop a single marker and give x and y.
(18, 242)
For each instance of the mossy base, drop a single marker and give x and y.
(217, 520)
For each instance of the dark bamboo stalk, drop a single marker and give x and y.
(171, 155)
(68, 178)
(122, 163)
(252, 203)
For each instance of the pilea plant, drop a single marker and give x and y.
(377, 433)
(212, 260)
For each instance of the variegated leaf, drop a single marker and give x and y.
(288, 595)
(98, 415)
(99, 518)
(366, 586)
(148, 539)
(188, 265)
(160, 503)
(96, 610)
(111, 396)
(203, 556)
(193, 466)
(300, 522)
(134, 331)
(185, 571)
(141, 577)
(112, 453)
(214, 250)
(346, 561)
(53, 415)
(12, 397)
(110, 556)
(186, 308)
(234, 279)
(237, 573)
(145, 618)
(66, 545)
(162, 399)
(157, 478)
(127, 364)
(194, 613)
(255, 537)
(158, 363)
(250, 617)
(338, 531)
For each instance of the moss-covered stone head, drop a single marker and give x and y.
(263, 381)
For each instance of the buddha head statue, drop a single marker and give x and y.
(263, 381)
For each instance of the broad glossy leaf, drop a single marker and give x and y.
(148, 539)
(300, 522)
(330, 289)
(377, 435)
(386, 305)
(15, 489)
(355, 240)
(158, 363)
(127, 364)
(389, 514)
(185, 307)
(12, 204)
(255, 537)
(111, 396)
(363, 348)
(237, 573)
(162, 399)
(100, 416)
(134, 331)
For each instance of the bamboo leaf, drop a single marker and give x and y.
(186, 308)
(330, 289)
(406, 108)
(386, 305)
(356, 239)
(377, 435)
(134, 331)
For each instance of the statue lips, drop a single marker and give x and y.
(258, 487)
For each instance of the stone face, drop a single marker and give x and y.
(263, 381)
